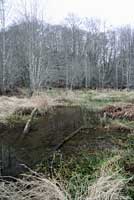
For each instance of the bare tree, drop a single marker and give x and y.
(3, 49)
(34, 42)
(74, 22)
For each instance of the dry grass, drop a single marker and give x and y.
(67, 97)
(108, 187)
(10, 105)
(31, 187)
(42, 102)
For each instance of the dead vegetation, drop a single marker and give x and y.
(107, 187)
(31, 187)
(8, 105)
(120, 112)
(22, 106)
(42, 101)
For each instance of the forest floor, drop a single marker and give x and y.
(100, 159)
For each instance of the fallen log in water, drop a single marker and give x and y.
(69, 137)
(29, 122)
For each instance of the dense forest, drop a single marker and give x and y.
(79, 53)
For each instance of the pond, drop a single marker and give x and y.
(46, 133)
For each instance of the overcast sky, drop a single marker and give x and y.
(115, 12)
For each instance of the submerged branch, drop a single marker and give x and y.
(69, 137)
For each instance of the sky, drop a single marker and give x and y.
(115, 12)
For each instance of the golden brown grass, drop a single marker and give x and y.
(107, 187)
(9, 105)
(31, 187)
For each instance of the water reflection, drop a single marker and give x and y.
(9, 165)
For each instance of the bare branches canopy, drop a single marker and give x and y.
(79, 53)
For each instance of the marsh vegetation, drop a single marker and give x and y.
(95, 162)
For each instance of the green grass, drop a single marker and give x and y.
(85, 169)
(15, 120)
(99, 99)
(94, 98)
